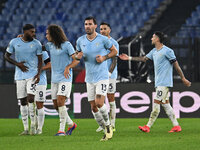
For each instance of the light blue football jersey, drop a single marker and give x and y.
(43, 76)
(60, 58)
(94, 71)
(25, 51)
(109, 61)
(163, 69)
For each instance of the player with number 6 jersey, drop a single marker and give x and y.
(105, 30)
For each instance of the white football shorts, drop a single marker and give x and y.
(25, 87)
(112, 86)
(62, 88)
(40, 94)
(98, 88)
(162, 93)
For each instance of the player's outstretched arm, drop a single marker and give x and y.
(126, 57)
(180, 72)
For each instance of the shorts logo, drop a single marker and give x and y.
(33, 87)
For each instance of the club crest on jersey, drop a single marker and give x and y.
(31, 45)
(97, 44)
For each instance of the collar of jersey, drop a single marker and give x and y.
(25, 41)
(93, 39)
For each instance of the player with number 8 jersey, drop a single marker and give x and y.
(62, 62)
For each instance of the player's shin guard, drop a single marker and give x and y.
(41, 117)
(24, 114)
(31, 109)
(62, 116)
(154, 114)
(104, 113)
(99, 118)
(170, 113)
(112, 113)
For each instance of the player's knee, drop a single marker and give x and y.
(39, 105)
(94, 108)
(111, 97)
(30, 98)
(23, 101)
(55, 105)
(60, 103)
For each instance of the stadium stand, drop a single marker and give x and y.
(191, 26)
(132, 22)
(70, 14)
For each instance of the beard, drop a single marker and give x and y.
(89, 31)
(29, 38)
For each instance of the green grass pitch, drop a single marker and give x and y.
(127, 136)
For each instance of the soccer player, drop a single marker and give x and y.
(28, 62)
(164, 59)
(40, 94)
(93, 47)
(105, 30)
(62, 61)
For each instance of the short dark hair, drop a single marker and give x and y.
(105, 23)
(91, 18)
(28, 27)
(160, 35)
